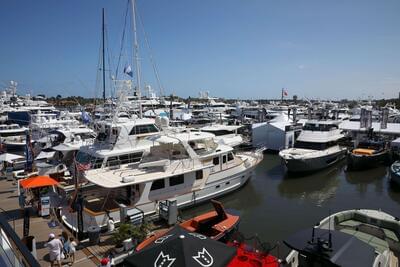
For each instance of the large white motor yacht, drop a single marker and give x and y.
(13, 136)
(315, 148)
(188, 167)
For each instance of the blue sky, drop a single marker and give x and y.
(233, 48)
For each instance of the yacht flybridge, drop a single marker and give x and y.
(118, 143)
(187, 167)
(315, 148)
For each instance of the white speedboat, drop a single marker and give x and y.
(187, 167)
(315, 148)
(359, 237)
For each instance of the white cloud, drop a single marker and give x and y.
(301, 67)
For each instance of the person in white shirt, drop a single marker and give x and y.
(55, 247)
(72, 250)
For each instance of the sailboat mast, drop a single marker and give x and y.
(104, 62)
(136, 56)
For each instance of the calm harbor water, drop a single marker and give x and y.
(274, 205)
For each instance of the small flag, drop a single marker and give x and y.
(128, 70)
(285, 93)
(83, 166)
(85, 117)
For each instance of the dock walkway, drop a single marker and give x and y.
(40, 228)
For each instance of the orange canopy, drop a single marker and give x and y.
(38, 181)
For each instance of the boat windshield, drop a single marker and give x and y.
(314, 146)
(219, 132)
(85, 158)
(319, 127)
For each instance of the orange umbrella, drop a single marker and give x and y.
(38, 181)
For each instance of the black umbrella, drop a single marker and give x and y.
(179, 247)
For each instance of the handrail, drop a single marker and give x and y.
(17, 245)
(5, 213)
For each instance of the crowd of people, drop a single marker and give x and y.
(62, 248)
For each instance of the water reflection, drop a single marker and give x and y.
(362, 179)
(276, 205)
(394, 191)
(317, 187)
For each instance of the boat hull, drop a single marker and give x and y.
(363, 162)
(395, 174)
(313, 164)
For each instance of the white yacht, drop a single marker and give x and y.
(60, 147)
(315, 148)
(13, 136)
(187, 167)
(42, 123)
(225, 134)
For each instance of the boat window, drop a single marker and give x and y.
(5, 134)
(143, 129)
(224, 159)
(135, 157)
(97, 163)
(216, 161)
(112, 161)
(124, 159)
(314, 146)
(218, 132)
(157, 184)
(176, 180)
(319, 127)
(199, 174)
(230, 156)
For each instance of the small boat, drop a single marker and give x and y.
(368, 154)
(217, 225)
(395, 172)
(359, 237)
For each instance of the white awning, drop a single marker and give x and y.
(45, 155)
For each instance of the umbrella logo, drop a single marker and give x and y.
(204, 258)
(199, 236)
(164, 260)
(162, 239)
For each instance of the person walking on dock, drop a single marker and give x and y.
(55, 247)
(72, 250)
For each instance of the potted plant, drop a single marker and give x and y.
(121, 234)
(139, 233)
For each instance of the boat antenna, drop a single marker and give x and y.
(329, 228)
(136, 56)
(103, 56)
(313, 234)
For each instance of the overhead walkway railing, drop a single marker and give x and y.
(13, 252)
